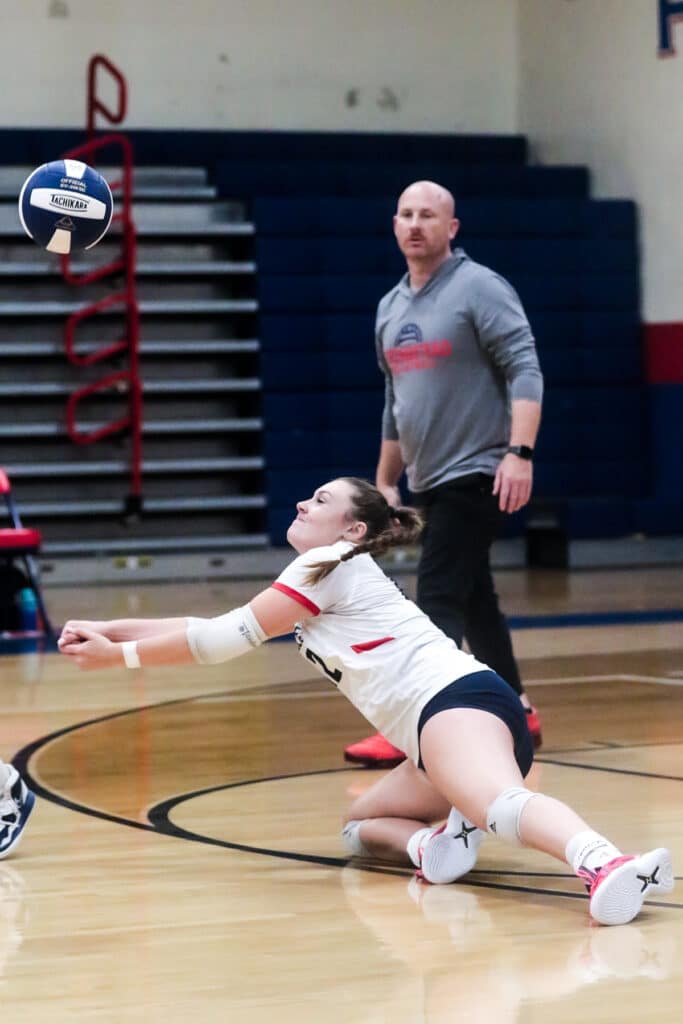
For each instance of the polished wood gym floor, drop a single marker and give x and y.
(183, 860)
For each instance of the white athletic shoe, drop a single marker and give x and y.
(16, 803)
(451, 851)
(618, 889)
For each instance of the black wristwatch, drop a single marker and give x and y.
(522, 451)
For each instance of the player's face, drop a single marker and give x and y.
(424, 224)
(325, 518)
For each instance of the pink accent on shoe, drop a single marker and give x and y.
(619, 888)
(374, 752)
(592, 879)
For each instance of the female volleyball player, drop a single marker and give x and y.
(463, 728)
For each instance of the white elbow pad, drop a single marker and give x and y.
(227, 636)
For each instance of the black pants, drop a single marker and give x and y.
(454, 582)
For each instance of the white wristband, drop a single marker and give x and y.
(130, 654)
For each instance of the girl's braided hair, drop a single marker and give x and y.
(387, 527)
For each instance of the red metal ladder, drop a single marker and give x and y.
(124, 301)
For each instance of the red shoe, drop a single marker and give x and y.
(618, 888)
(533, 720)
(374, 752)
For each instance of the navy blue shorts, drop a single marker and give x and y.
(486, 691)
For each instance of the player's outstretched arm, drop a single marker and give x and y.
(205, 641)
(120, 629)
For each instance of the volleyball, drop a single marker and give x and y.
(65, 206)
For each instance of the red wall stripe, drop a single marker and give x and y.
(663, 345)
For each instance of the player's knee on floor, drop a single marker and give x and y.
(503, 815)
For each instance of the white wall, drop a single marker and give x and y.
(438, 65)
(593, 91)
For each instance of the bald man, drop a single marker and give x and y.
(463, 392)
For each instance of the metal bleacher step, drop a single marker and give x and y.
(222, 217)
(46, 389)
(145, 546)
(150, 427)
(110, 506)
(202, 461)
(167, 183)
(150, 467)
(32, 348)
(166, 307)
(161, 268)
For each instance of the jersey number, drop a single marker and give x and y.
(317, 660)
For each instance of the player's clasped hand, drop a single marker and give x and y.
(87, 648)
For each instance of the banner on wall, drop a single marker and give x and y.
(669, 12)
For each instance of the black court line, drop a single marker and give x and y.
(603, 768)
(161, 824)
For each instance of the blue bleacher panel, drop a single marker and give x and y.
(546, 291)
(329, 256)
(315, 411)
(331, 216)
(309, 332)
(338, 216)
(247, 178)
(322, 371)
(580, 441)
(594, 405)
(659, 517)
(184, 147)
(326, 254)
(587, 518)
(321, 448)
(588, 366)
(309, 293)
(568, 478)
(275, 255)
(666, 432)
(356, 292)
(587, 329)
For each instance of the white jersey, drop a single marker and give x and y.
(382, 652)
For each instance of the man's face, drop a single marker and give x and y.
(424, 224)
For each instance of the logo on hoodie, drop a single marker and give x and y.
(412, 352)
(410, 334)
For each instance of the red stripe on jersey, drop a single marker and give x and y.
(371, 644)
(296, 596)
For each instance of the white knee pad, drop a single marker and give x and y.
(350, 835)
(227, 636)
(502, 816)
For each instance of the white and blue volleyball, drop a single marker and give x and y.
(65, 206)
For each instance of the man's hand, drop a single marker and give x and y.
(513, 482)
(392, 494)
